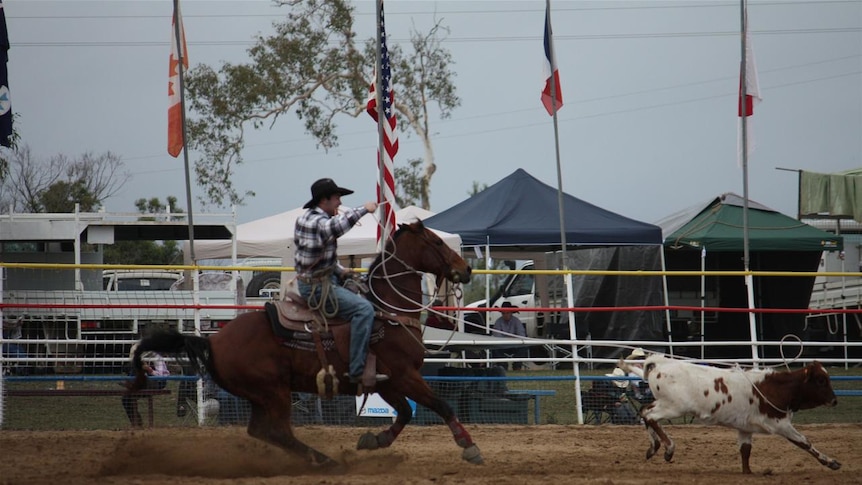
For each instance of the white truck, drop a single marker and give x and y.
(65, 309)
(549, 292)
(520, 290)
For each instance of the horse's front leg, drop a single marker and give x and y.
(419, 391)
(384, 439)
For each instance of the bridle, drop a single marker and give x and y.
(387, 256)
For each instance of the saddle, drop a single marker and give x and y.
(302, 328)
(294, 315)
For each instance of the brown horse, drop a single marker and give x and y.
(247, 359)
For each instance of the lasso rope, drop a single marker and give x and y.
(323, 281)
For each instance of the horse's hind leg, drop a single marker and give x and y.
(274, 427)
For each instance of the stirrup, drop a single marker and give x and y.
(358, 380)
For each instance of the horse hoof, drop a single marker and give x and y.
(327, 464)
(834, 465)
(652, 450)
(368, 441)
(472, 455)
(668, 453)
(332, 467)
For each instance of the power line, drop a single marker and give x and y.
(458, 40)
(474, 133)
(682, 5)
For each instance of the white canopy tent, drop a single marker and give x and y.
(270, 236)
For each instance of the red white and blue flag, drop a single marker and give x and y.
(552, 74)
(751, 94)
(385, 194)
(748, 97)
(175, 113)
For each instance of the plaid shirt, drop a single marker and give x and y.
(315, 238)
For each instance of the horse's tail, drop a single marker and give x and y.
(196, 348)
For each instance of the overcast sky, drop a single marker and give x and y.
(649, 124)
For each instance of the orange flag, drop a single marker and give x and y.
(175, 114)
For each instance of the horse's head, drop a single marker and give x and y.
(422, 250)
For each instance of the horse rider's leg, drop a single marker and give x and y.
(274, 428)
(384, 439)
(417, 389)
(360, 312)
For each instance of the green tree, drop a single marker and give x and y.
(14, 139)
(477, 187)
(409, 183)
(62, 196)
(313, 68)
(147, 252)
(31, 181)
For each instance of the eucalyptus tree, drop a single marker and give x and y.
(313, 68)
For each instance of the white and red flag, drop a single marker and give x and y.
(385, 160)
(552, 74)
(749, 93)
(175, 109)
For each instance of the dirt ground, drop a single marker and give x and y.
(422, 455)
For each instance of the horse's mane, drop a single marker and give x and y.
(401, 229)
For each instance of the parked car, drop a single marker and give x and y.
(137, 280)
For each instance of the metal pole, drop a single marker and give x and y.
(180, 58)
(666, 301)
(749, 279)
(563, 245)
(702, 300)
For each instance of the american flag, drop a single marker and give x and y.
(390, 136)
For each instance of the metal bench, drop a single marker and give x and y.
(534, 394)
(147, 394)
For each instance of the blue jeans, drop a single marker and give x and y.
(351, 307)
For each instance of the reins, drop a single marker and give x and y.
(388, 255)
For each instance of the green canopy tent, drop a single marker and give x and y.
(710, 237)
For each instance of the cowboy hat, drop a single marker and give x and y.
(636, 354)
(323, 188)
(618, 373)
(507, 304)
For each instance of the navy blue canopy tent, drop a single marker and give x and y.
(521, 212)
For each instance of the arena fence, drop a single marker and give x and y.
(66, 368)
(480, 395)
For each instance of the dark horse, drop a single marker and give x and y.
(247, 359)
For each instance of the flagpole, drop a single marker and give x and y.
(573, 334)
(749, 279)
(180, 57)
(381, 116)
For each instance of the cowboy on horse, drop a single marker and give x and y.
(251, 358)
(319, 272)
